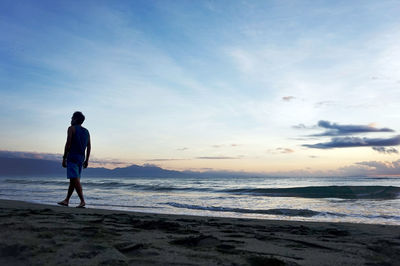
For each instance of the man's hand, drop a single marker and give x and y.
(64, 163)
(85, 164)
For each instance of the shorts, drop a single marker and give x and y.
(74, 170)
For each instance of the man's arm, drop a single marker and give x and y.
(67, 146)
(88, 149)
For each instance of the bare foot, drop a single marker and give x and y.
(81, 205)
(63, 203)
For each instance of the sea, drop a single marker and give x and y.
(372, 200)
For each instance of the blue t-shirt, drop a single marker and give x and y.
(78, 145)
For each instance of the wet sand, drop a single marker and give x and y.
(35, 234)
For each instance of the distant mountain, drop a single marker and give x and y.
(150, 171)
(40, 167)
(43, 167)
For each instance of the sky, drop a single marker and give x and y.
(278, 87)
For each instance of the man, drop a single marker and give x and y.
(78, 140)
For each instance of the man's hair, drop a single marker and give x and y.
(79, 117)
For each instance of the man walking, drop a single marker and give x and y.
(78, 140)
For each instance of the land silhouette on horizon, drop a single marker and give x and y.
(43, 167)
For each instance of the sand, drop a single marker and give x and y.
(35, 234)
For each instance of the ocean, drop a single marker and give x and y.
(374, 200)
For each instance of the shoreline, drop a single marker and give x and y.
(38, 234)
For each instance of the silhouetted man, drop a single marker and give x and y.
(78, 140)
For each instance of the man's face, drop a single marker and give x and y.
(73, 121)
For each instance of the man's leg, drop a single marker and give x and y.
(69, 193)
(78, 188)
(70, 189)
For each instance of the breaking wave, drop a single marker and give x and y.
(341, 192)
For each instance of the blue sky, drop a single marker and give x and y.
(223, 85)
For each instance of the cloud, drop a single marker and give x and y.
(302, 126)
(288, 98)
(299, 126)
(30, 155)
(108, 162)
(182, 149)
(280, 150)
(284, 150)
(366, 168)
(217, 146)
(164, 160)
(385, 150)
(346, 142)
(57, 157)
(324, 103)
(217, 158)
(335, 129)
(372, 168)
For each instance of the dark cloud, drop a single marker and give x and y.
(346, 142)
(182, 149)
(385, 150)
(334, 129)
(288, 98)
(217, 158)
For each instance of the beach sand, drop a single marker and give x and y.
(35, 234)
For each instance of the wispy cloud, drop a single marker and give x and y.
(30, 155)
(288, 98)
(218, 158)
(346, 142)
(217, 146)
(284, 150)
(385, 150)
(57, 157)
(164, 160)
(324, 104)
(299, 126)
(280, 150)
(108, 162)
(334, 129)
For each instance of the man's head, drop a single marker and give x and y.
(77, 118)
